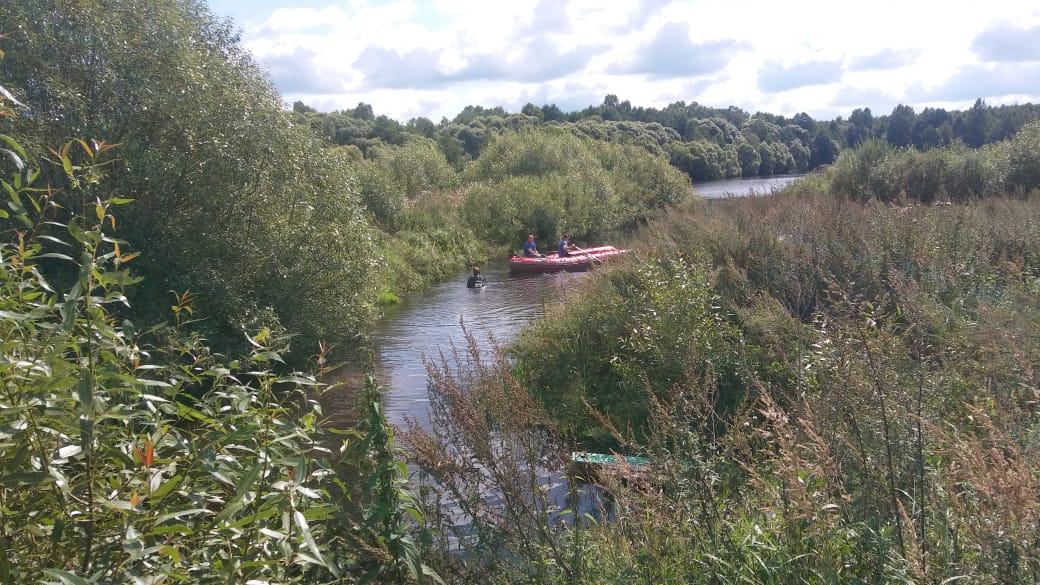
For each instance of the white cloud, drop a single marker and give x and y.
(434, 57)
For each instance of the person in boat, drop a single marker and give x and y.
(530, 248)
(476, 280)
(564, 248)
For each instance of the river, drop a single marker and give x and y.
(428, 323)
(743, 187)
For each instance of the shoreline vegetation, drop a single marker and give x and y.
(834, 383)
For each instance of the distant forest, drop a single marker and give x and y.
(706, 143)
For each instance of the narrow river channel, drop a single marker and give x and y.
(754, 187)
(428, 323)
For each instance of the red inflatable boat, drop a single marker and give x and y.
(573, 262)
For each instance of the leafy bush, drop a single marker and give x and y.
(395, 176)
(137, 455)
(552, 182)
(853, 174)
(642, 329)
(1023, 154)
(875, 170)
(233, 201)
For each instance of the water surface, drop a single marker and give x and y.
(427, 323)
(743, 187)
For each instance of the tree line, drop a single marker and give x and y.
(705, 143)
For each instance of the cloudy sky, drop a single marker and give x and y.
(410, 58)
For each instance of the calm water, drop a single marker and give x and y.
(743, 187)
(427, 323)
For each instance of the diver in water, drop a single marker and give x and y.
(476, 280)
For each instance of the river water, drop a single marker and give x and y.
(426, 324)
(430, 325)
(743, 187)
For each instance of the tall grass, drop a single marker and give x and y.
(486, 471)
(828, 391)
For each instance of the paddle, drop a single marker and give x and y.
(592, 259)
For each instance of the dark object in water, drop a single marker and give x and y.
(476, 281)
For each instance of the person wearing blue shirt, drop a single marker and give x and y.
(530, 248)
(564, 247)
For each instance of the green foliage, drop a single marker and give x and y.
(391, 507)
(852, 175)
(532, 154)
(643, 183)
(394, 177)
(417, 258)
(750, 160)
(388, 298)
(383, 197)
(417, 166)
(550, 182)
(1023, 154)
(124, 459)
(877, 171)
(882, 356)
(652, 136)
(642, 329)
(703, 142)
(134, 455)
(234, 202)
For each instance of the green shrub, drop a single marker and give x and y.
(852, 175)
(643, 328)
(134, 455)
(233, 201)
(1023, 154)
(875, 170)
(551, 182)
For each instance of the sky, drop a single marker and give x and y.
(826, 58)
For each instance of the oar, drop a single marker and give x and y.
(592, 259)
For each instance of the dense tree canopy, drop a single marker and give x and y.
(234, 201)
